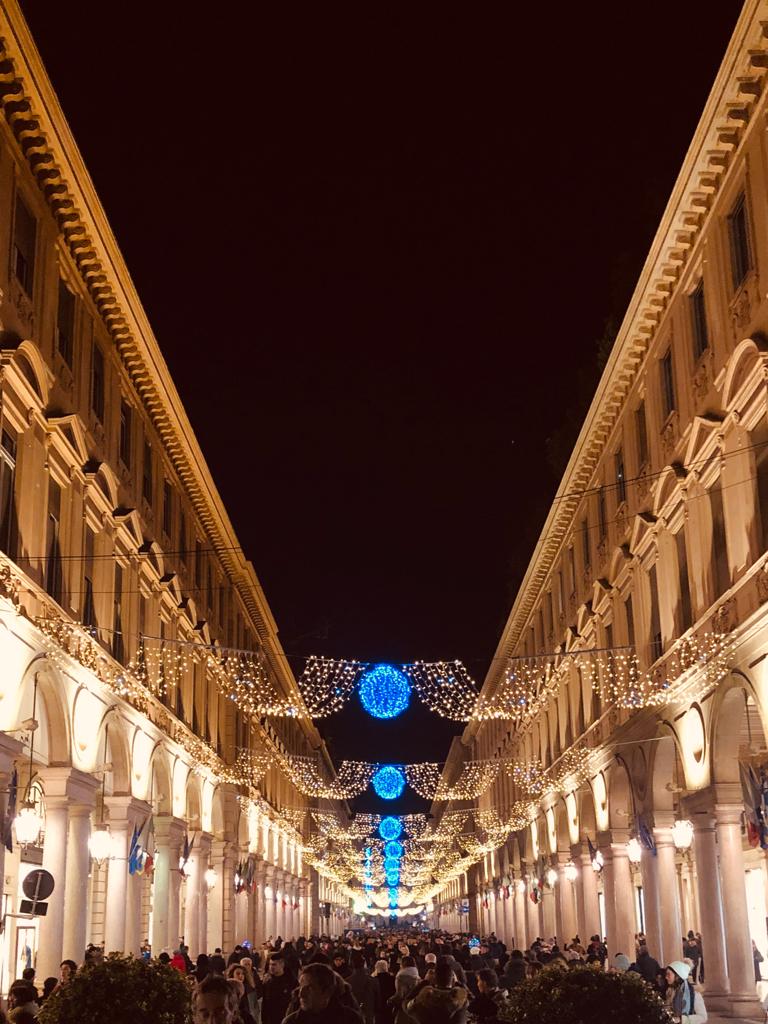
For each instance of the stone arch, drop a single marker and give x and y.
(562, 831)
(161, 787)
(621, 798)
(117, 749)
(737, 723)
(741, 364)
(666, 486)
(194, 801)
(587, 818)
(106, 480)
(32, 366)
(51, 709)
(663, 774)
(217, 813)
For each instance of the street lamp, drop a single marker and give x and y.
(521, 886)
(682, 834)
(100, 843)
(211, 878)
(551, 878)
(28, 823)
(570, 871)
(634, 850)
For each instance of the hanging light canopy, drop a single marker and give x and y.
(100, 844)
(28, 824)
(682, 834)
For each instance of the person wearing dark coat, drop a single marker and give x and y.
(323, 998)
(276, 991)
(364, 988)
(647, 966)
(514, 972)
(386, 982)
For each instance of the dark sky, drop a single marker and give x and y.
(378, 247)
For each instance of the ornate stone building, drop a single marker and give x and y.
(652, 562)
(122, 584)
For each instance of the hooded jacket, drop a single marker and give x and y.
(432, 1005)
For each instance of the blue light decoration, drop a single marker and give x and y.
(384, 691)
(391, 863)
(393, 849)
(390, 828)
(388, 782)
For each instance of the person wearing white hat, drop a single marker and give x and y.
(685, 1003)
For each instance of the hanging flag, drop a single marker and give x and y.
(134, 852)
(10, 811)
(645, 837)
(594, 855)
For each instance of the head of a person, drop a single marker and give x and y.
(236, 973)
(407, 961)
(164, 958)
(317, 985)
(381, 967)
(276, 965)
(487, 980)
(21, 993)
(676, 973)
(692, 936)
(517, 954)
(339, 960)
(49, 985)
(444, 975)
(430, 958)
(67, 969)
(620, 964)
(216, 1001)
(28, 974)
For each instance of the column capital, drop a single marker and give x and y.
(706, 799)
(127, 810)
(169, 830)
(67, 786)
(10, 750)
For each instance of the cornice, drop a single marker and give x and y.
(719, 135)
(39, 126)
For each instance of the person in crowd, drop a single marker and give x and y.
(217, 963)
(215, 1001)
(276, 991)
(320, 999)
(701, 956)
(236, 973)
(646, 966)
(406, 979)
(48, 986)
(684, 1003)
(445, 1002)
(340, 964)
(514, 972)
(490, 998)
(364, 988)
(178, 963)
(692, 952)
(386, 982)
(757, 959)
(23, 996)
(620, 964)
(202, 968)
(252, 986)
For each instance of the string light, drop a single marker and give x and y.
(388, 782)
(445, 687)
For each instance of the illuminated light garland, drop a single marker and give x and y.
(475, 778)
(243, 678)
(326, 684)
(384, 691)
(388, 781)
(249, 767)
(445, 687)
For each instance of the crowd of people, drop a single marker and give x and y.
(384, 977)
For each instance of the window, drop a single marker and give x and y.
(630, 617)
(118, 647)
(97, 383)
(24, 238)
(146, 474)
(642, 435)
(53, 578)
(699, 321)
(65, 324)
(572, 563)
(621, 479)
(656, 648)
(9, 523)
(585, 542)
(551, 609)
(685, 610)
(721, 574)
(167, 508)
(126, 421)
(560, 594)
(601, 517)
(182, 536)
(667, 384)
(198, 565)
(738, 236)
(89, 608)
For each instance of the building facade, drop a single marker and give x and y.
(122, 585)
(645, 753)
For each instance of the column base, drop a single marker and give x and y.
(747, 1005)
(716, 1000)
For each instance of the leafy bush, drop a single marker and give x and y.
(573, 995)
(121, 990)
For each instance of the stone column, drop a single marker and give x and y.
(228, 896)
(193, 884)
(215, 928)
(624, 901)
(510, 929)
(532, 915)
(204, 842)
(78, 866)
(269, 903)
(669, 903)
(169, 834)
(566, 899)
(122, 909)
(649, 871)
(548, 910)
(137, 814)
(711, 904)
(51, 948)
(609, 897)
(588, 886)
(521, 936)
(743, 998)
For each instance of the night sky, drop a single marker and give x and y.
(380, 248)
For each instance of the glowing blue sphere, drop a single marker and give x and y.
(388, 782)
(393, 849)
(390, 828)
(384, 691)
(391, 863)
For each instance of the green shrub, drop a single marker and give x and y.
(584, 995)
(121, 990)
